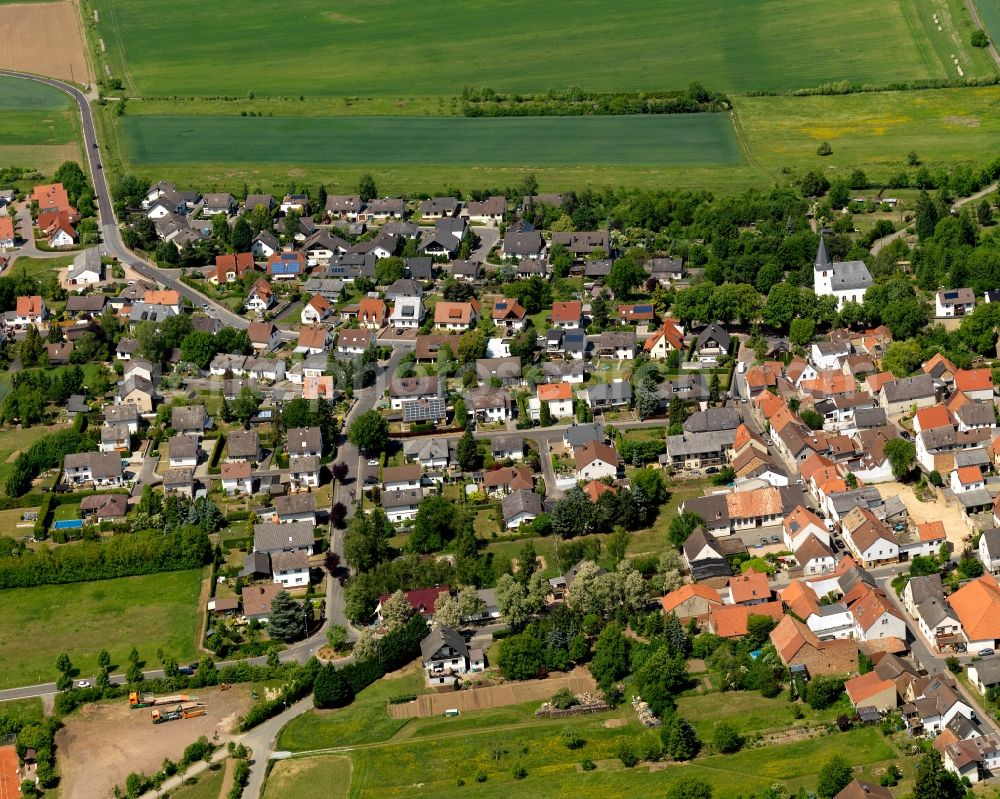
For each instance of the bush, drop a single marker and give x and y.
(564, 699)
(727, 738)
(954, 664)
(979, 38)
(480, 776)
(626, 754)
(823, 692)
(572, 739)
(331, 688)
(587, 764)
(519, 772)
(401, 699)
(824, 149)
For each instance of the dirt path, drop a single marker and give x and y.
(206, 593)
(227, 779)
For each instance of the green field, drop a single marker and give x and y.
(208, 785)
(874, 131)
(309, 778)
(989, 13)
(536, 141)
(391, 48)
(148, 612)
(39, 126)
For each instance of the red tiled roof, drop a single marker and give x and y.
(973, 380)
(930, 418)
(675, 599)
(730, 621)
(555, 391)
(567, 311)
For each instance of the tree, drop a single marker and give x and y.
(900, 453)
(727, 738)
(824, 149)
(367, 646)
(446, 611)
(389, 270)
(969, 566)
(902, 358)
(680, 741)
(331, 688)
(611, 656)
(660, 678)
(470, 604)
(521, 657)
(801, 331)
(834, 775)
(681, 527)
(813, 419)
(979, 38)
(396, 611)
(246, 405)
(626, 274)
(435, 525)
(286, 621)
(366, 187)
(689, 788)
(518, 602)
(336, 637)
(936, 782)
(369, 432)
(104, 659)
(618, 543)
(468, 452)
(471, 346)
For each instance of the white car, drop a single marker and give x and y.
(83, 684)
(373, 462)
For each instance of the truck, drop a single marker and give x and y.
(185, 711)
(167, 715)
(137, 700)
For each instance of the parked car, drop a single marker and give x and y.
(185, 670)
(712, 470)
(961, 648)
(83, 683)
(775, 539)
(763, 542)
(985, 652)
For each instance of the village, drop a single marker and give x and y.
(390, 354)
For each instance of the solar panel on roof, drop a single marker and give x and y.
(643, 308)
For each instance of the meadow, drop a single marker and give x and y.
(148, 612)
(39, 126)
(875, 131)
(309, 778)
(390, 48)
(989, 13)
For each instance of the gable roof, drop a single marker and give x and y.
(678, 597)
(977, 604)
(592, 451)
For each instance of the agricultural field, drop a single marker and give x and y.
(396, 49)
(39, 126)
(989, 13)
(148, 612)
(875, 131)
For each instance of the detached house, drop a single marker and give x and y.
(260, 298)
(567, 315)
(444, 656)
(263, 336)
(100, 469)
(456, 316)
(407, 313)
(951, 303)
(523, 246)
(286, 265)
(313, 339)
(231, 268)
(595, 460)
(667, 339)
(509, 315)
(354, 342)
(558, 396)
(315, 311)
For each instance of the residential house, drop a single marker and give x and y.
(802, 524)
(510, 447)
(669, 338)
(295, 509)
(355, 342)
(733, 621)
(439, 207)
(595, 460)
(137, 391)
(430, 453)
(104, 508)
(581, 244)
(315, 311)
(875, 617)
(401, 505)
(712, 343)
(567, 315)
(509, 315)
(698, 450)
(264, 245)
(286, 265)
(985, 673)
(256, 600)
(399, 478)
(183, 449)
(179, 481)
(410, 389)
(100, 469)
(989, 549)
(456, 316)
(290, 569)
(976, 384)
(444, 656)
(243, 445)
(505, 480)
(86, 269)
(490, 211)
(527, 245)
(691, 601)
(8, 236)
(303, 472)
(871, 690)
(30, 311)
(617, 346)
(871, 541)
(313, 339)
(520, 507)
(236, 478)
(798, 646)
(967, 478)
(558, 398)
(407, 313)
(490, 404)
(271, 537)
(666, 271)
(607, 396)
(815, 557)
(704, 557)
(213, 204)
(898, 397)
(977, 605)
(951, 303)
(264, 336)
(261, 297)
(505, 371)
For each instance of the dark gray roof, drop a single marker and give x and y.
(529, 243)
(521, 501)
(713, 419)
(867, 418)
(269, 536)
(988, 670)
(184, 445)
(243, 443)
(509, 443)
(576, 435)
(991, 536)
(697, 541)
(440, 636)
(256, 563)
(400, 498)
(617, 392)
(909, 388)
(302, 440)
(850, 276)
(976, 414)
(186, 418)
(599, 267)
(291, 504)
(714, 332)
(700, 443)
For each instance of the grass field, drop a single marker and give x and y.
(208, 785)
(874, 131)
(989, 13)
(543, 141)
(363, 721)
(23, 709)
(309, 778)
(40, 267)
(147, 612)
(39, 126)
(388, 48)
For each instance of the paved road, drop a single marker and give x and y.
(113, 244)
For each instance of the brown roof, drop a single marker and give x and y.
(730, 621)
(812, 548)
(516, 477)
(257, 598)
(408, 472)
(313, 336)
(859, 789)
(453, 313)
(866, 686)
(756, 502)
(593, 450)
(567, 311)
(977, 605)
(260, 332)
(428, 346)
(749, 586)
(235, 471)
(675, 599)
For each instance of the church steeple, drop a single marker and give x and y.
(822, 256)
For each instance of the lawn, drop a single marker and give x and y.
(323, 777)
(148, 612)
(23, 709)
(66, 512)
(40, 267)
(432, 767)
(208, 785)
(13, 440)
(664, 140)
(872, 131)
(366, 720)
(523, 46)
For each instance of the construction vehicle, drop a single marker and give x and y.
(189, 710)
(137, 700)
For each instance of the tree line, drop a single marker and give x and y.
(486, 102)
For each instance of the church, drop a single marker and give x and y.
(847, 280)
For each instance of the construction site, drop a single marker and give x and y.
(104, 742)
